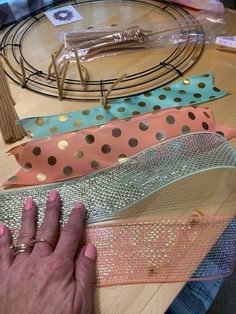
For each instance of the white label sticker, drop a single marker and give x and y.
(63, 15)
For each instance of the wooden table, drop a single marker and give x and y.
(149, 298)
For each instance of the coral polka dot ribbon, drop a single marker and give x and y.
(79, 153)
(193, 90)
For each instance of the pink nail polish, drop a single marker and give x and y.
(2, 229)
(90, 252)
(79, 205)
(52, 197)
(29, 203)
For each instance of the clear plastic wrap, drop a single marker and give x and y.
(95, 43)
(208, 5)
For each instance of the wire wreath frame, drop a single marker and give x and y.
(181, 58)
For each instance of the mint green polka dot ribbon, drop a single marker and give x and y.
(190, 91)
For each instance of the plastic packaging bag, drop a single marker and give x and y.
(109, 41)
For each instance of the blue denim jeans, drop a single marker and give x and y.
(196, 297)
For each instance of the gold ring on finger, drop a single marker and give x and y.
(22, 248)
(44, 241)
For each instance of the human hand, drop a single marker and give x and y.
(47, 280)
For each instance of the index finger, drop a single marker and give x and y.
(70, 235)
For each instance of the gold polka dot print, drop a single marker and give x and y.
(54, 129)
(77, 123)
(39, 121)
(63, 144)
(63, 118)
(41, 176)
(79, 154)
(28, 166)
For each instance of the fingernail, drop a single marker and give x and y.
(29, 203)
(2, 229)
(81, 208)
(79, 205)
(90, 251)
(52, 197)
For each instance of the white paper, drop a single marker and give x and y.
(63, 15)
(229, 41)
